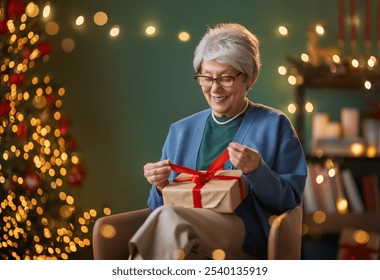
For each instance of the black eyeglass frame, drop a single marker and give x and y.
(196, 76)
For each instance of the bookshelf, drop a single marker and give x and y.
(331, 224)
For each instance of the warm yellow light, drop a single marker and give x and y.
(292, 80)
(319, 29)
(100, 18)
(342, 205)
(309, 107)
(368, 85)
(184, 36)
(292, 108)
(150, 30)
(46, 11)
(218, 254)
(305, 57)
(283, 30)
(371, 151)
(282, 70)
(115, 30)
(357, 149)
(361, 236)
(79, 21)
(319, 179)
(336, 58)
(371, 61)
(355, 63)
(68, 45)
(32, 10)
(319, 217)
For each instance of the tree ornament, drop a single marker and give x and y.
(3, 27)
(22, 130)
(76, 175)
(71, 144)
(17, 79)
(44, 48)
(5, 108)
(32, 181)
(15, 8)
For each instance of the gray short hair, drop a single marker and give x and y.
(231, 44)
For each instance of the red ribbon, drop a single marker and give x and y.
(201, 178)
(357, 252)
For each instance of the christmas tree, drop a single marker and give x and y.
(39, 165)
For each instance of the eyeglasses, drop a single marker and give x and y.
(224, 81)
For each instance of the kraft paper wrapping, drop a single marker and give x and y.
(220, 195)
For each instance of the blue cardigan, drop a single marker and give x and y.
(276, 185)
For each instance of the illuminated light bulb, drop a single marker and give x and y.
(283, 31)
(218, 254)
(292, 108)
(336, 58)
(319, 217)
(150, 30)
(371, 61)
(100, 18)
(32, 10)
(305, 57)
(79, 21)
(361, 236)
(368, 85)
(319, 29)
(371, 151)
(292, 80)
(46, 11)
(115, 31)
(309, 107)
(357, 149)
(68, 45)
(184, 36)
(282, 70)
(355, 63)
(331, 172)
(342, 205)
(319, 179)
(108, 231)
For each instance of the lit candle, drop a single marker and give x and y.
(341, 28)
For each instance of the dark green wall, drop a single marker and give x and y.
(123, 93)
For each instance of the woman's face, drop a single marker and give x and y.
(224, 101)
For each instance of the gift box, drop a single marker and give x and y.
(357, 244)
(215, 189)
(221, 193)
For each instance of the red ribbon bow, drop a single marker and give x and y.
(357, 252)
(201, 178)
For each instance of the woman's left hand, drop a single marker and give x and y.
(244, 158)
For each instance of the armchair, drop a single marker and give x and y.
(111, 234)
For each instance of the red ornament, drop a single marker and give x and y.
(76, 175)
(25, 52)
(3, 27)
(50, 98)
(5, 108)
(15, 8)
(44, 48)
(32, 181)
(71, 144)
(17, 79)
(22, 130)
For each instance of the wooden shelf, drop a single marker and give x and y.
(369, 221)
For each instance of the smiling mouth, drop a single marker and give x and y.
(219, 99)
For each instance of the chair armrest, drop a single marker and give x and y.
(112, 233)
(285, 236)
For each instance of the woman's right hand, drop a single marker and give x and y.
(157, 173)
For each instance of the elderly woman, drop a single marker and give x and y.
(261, 142)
